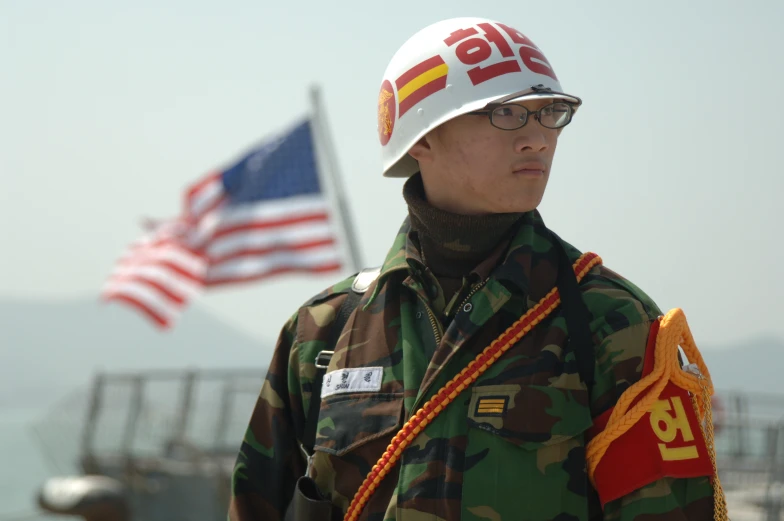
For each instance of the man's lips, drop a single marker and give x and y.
(529, 169)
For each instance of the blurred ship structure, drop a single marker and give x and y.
(750, 454)
(147, 446)
(161, 445)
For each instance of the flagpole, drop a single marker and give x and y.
(321, 128)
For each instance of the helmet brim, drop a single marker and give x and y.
(532, 95)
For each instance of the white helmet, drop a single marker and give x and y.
(451, 68)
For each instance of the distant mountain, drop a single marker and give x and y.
(755, 366)
(50, 347)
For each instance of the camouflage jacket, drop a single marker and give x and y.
(511, 447)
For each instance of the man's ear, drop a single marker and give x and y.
(421, 151)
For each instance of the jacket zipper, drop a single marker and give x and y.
(471, 294)
(433, 322)
(437, 331)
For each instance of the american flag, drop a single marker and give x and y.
(264, 216)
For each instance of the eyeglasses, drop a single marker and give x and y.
(512, 116)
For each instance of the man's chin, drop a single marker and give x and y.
(520, 206)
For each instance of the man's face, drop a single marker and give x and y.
(471, 167)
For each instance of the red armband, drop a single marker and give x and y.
(666, 442)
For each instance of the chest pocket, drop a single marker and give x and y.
(525, 458)
(353, 431)
(348, 421)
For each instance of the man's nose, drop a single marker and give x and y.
(531, 139)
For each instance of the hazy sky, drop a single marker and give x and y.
(670, 171)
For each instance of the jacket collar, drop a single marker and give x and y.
(531, 245)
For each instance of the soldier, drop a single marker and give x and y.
(470, 111)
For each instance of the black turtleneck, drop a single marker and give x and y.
(452, 245)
